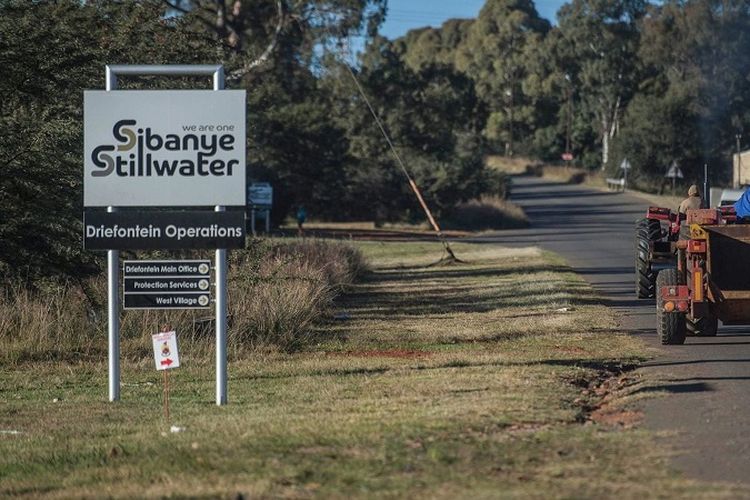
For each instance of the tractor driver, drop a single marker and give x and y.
(693, 201)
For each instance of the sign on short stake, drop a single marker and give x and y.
(166, 357)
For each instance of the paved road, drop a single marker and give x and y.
(708, 378)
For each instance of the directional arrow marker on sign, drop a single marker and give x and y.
(166, 362)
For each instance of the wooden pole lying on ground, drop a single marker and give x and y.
(432, 220)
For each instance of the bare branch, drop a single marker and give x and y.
(187, 11)
(175, 7)
(239, 73)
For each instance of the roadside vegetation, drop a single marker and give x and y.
(501, 376)
(604, 81)
(485, 213)
(562, 173)
(509, 165)
(565, 174)
(277, 292)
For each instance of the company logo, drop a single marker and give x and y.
(141, 152)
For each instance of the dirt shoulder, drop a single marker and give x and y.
(501, 376)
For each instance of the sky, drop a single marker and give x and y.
(404, 15)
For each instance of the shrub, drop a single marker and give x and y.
(487, 213)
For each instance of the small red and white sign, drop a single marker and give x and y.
(567, 156)
(165, 350)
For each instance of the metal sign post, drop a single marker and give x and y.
(113, 257)
(252, 221)
(674, 173)
(113, 304)
(254, 217)
(113, 323)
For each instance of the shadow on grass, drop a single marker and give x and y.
(609, 367)
(441, 299)
(458, 273)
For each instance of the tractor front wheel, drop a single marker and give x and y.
(646, 231)
(670, 326)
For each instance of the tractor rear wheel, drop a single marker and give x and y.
(646, 231)
(671, 326)
(706, 326)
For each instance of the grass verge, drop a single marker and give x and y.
(471, 380)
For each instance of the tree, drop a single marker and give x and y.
(494, 55)
(655, 132)
(50, 53)
(697, 54)
(434, 119)
(251, 32)
(432, 46)
(596, 45)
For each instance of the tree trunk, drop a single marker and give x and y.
(610, 126)
(605, 141)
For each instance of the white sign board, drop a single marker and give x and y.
(165, 350)
(261, 194)
(164, 148)
(625, 165)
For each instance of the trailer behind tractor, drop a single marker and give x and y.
(711, 280)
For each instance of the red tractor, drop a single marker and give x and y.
(711, 280)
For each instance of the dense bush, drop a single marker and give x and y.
(276, 292)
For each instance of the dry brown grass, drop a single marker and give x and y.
(55, 323)
(276, 292)
(560, 173)
(510, 166)
(488, 212)
(527, 166)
